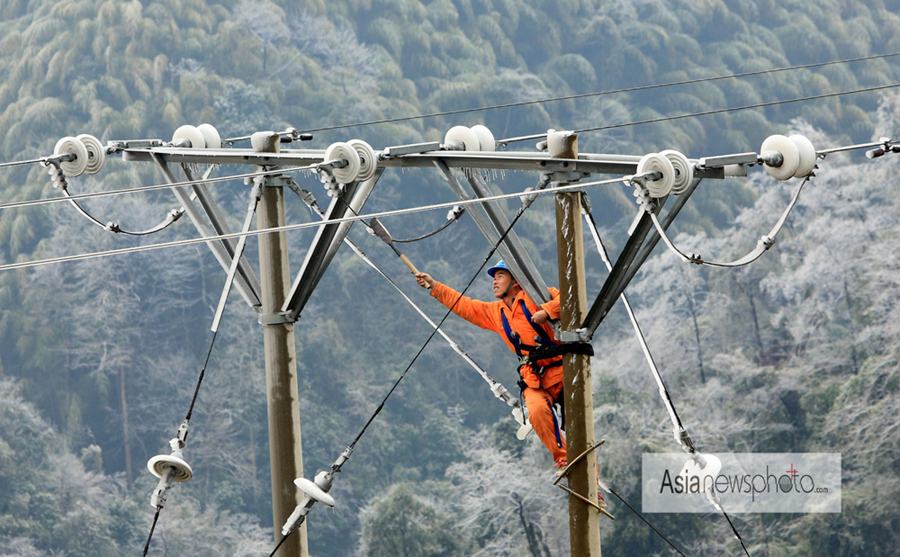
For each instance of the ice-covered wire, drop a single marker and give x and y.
(299, 226)
(59, 182)
(654, 370)
(152, 529)
(255, 195)
(587, 95)
(345, 455)
(496, 387)
(36, 202)
(680, 433)
(639, 515)
(765, 242)
(704, 113)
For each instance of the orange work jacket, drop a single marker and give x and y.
(489, 315)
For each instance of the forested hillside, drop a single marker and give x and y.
(98, 359)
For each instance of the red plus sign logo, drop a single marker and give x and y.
(793, 473)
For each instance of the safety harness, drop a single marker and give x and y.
(530, 354)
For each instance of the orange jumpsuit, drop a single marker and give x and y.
(541, 391)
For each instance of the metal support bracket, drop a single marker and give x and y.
(578, 335)
(277, 181)
(274, 318)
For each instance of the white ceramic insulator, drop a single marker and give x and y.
(464, 134)
(96, 153)
(684, 170)
(807, 155)
(343, 151)
(314, 491)
(703, 466)
(72, 146)
(789, 153)
(158, 464)
(655, 162)
(192, 134)
(211, 137)
(486, 140)
(368, 163)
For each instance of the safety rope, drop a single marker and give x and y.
(763, 245)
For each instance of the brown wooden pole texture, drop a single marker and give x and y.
(584, 519)
(282, 391)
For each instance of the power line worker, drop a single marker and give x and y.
(522, 324)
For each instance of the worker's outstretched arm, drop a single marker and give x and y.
(474, 311)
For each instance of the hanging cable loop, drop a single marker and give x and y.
(764, 244)
(59, 182)
(452, 216)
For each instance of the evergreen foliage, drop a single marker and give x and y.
(98, 359)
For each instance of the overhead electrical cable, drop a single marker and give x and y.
(435, 330)
(179, 442)
(299, 226)
(16, 204)
(679, 431)
(586, 95)
(35, 202)
(496, 387)
(639, 515)
(706, 113)
(765, 242)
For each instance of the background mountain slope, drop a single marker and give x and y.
(797, 352)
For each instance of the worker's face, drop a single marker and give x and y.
(502, 280)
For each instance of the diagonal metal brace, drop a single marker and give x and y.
(221, 249)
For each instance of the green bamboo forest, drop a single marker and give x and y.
(798, 352)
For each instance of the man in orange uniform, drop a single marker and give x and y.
(522, 324)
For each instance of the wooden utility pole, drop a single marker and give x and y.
(584, 518)
(282, 390)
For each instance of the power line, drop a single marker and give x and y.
(707, 113)
(34, 202)
(587, 95)
(349, 449)
(299, 226)
(639, 515)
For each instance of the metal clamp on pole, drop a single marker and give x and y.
(274, 318)
(578, 335)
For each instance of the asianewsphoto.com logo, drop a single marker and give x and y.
(745, 482)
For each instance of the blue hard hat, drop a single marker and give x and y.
(500, 265)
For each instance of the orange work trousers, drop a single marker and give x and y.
(540, 413)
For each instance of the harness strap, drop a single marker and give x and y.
(516, 340)
(559, 350)
(545, 338)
